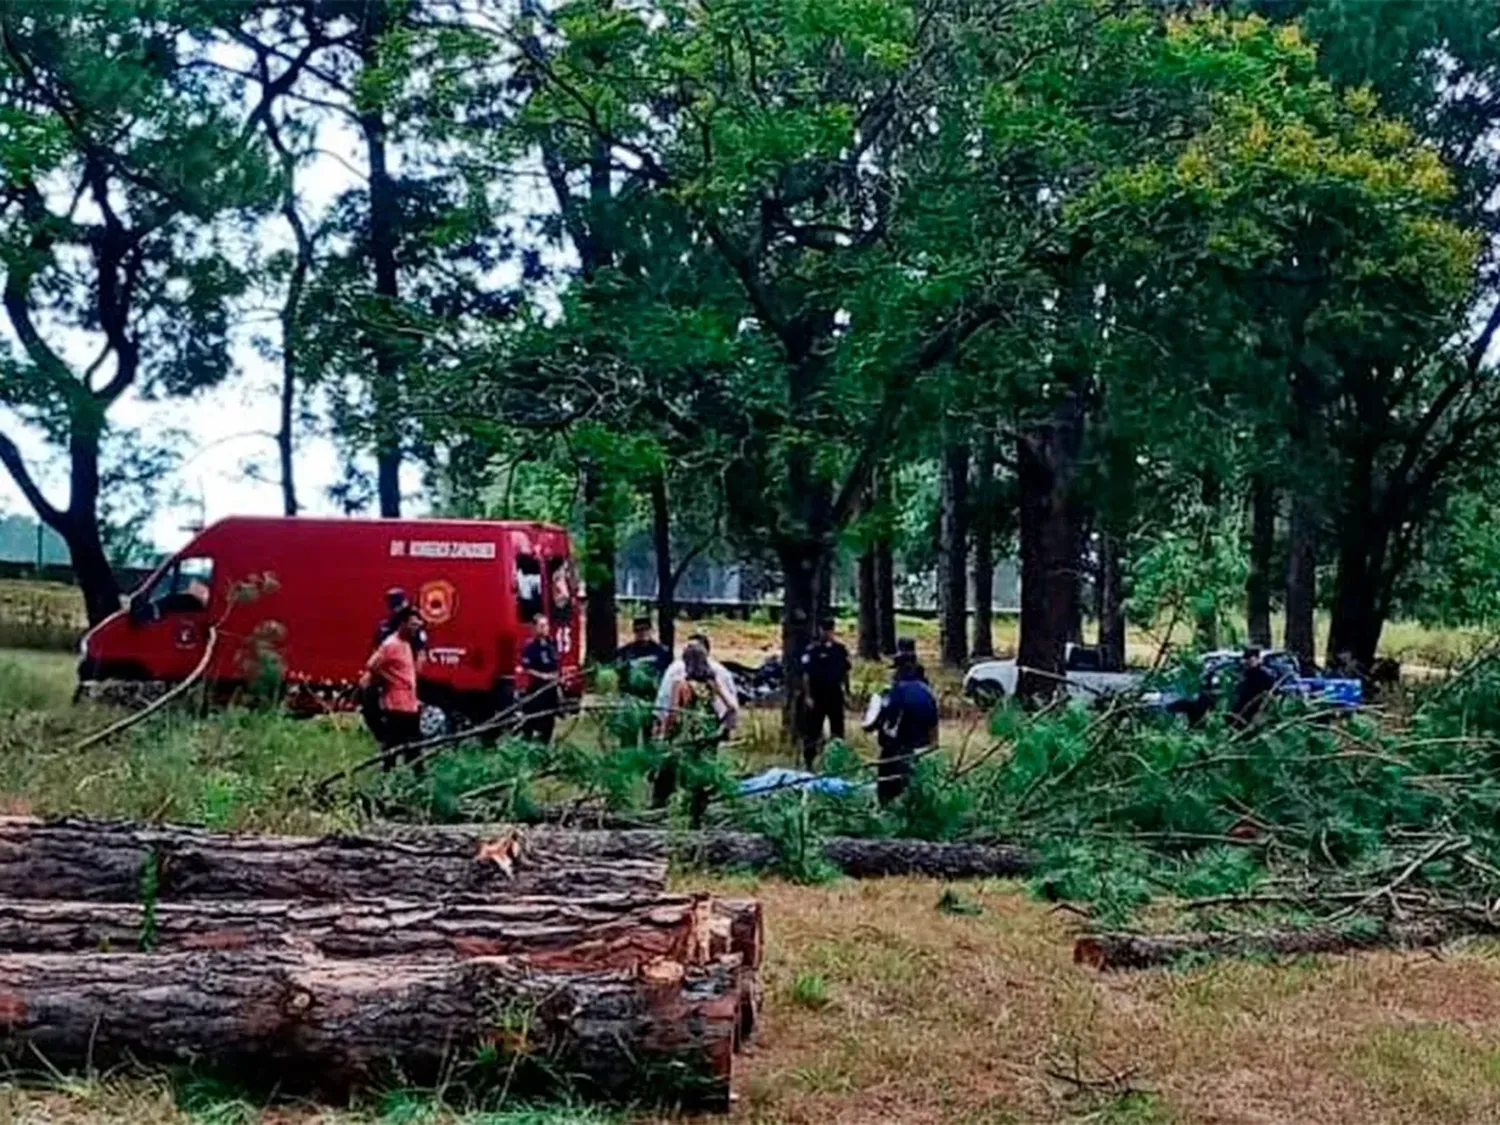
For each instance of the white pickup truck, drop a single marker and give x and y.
(993, 680)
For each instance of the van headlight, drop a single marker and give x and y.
(83, 647)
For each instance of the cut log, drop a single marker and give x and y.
(1148, 951)
(602, 932)
(857, 857)
(300, 1022)
(107, 861)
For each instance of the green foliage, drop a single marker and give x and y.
(810, 990)
(955, 902)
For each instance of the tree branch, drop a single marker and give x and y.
(10, 457)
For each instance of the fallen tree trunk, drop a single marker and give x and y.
(109, 861)
(1147, 951)
(300, 1022)
(854, 856)
(602, 932)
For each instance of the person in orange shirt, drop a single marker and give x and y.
(393, 668)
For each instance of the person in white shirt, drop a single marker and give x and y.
(726, 699)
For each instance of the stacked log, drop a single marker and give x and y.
(857, 857)
(327, 963)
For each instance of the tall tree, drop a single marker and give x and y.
(121, 160)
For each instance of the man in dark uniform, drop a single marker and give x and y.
(908, 723)
(906, 649)
(542, 700)
(825, 685)
(644, 651)
(1256, 684)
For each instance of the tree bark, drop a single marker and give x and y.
(885, 568)
(953, 557)
(107, 861)
(1206, 623)
(1147, 951)
(1262, 544)
(1363, 538)
(558, 934)
(1110, 600)
(869, 607)
(1047, 457)
(384, 217)
(291, 344)
(984, 548)
(300, 1022)
(666, 576)
(95, 577)
(1301, 583)
(857, 857)
(602, 634)
(803, 572)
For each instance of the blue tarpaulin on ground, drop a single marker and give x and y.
(778, 779)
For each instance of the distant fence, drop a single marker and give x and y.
(696, 608)
(129, 577)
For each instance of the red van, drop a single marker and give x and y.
(313, 592)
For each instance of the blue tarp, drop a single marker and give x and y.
(778, 779)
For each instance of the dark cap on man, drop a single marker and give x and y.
(826, 624)
(702, 639)
(906, 645)
(395, 598)
(641, 624)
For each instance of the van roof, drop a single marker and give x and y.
(370, 521)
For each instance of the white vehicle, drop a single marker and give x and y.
(993, 680)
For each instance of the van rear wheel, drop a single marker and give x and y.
(433, 721)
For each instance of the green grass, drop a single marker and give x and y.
(233, 769)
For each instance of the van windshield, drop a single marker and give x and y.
(184, 587)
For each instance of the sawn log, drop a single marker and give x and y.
(663, 1035)
(858, 857)
(599, 932)
(108, 861)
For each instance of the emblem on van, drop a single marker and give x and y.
(437, 601)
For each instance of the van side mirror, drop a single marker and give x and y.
(141, 610)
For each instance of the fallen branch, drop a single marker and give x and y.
(1146, 951)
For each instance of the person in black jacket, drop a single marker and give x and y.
(1256, 683)
(542, 699)
(908, 723)
(825, 684)
(643, 652)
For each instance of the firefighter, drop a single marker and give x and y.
(543, 700)
(392, 672)
(825, 686)
(907, 723)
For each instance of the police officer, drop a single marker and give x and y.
(908, 723)
(825, 679)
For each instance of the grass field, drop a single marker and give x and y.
(880, 1006)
